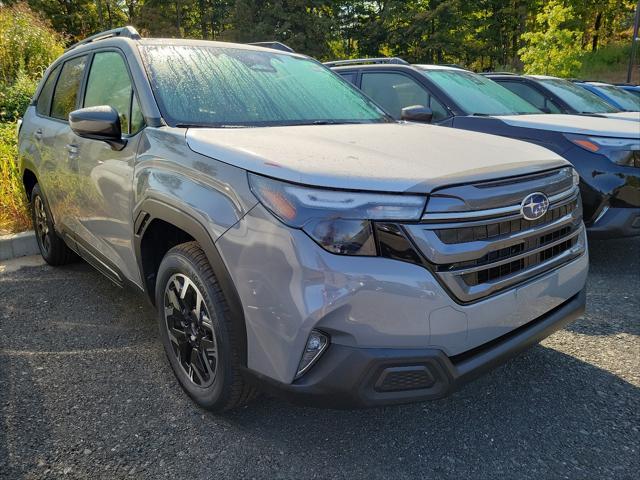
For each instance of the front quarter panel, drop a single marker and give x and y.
(215, 194)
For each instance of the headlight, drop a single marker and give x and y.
(622, 151)
(338, 220)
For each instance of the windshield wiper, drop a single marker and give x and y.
(196, 125)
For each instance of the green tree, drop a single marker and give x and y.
(552, 48)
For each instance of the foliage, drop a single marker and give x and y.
(479, 34)
(552, 49)
(15, 97)
(608, 63)
(27, 44)
(14, 214)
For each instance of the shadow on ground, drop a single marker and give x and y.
(85, 389)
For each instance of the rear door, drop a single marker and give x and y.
(37, 135)
(104, 202)
(59, 173)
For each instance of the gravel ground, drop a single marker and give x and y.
(85, 392)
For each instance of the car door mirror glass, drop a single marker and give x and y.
(417, 113)
(98, 123)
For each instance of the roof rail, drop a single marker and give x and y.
(273, 45)
(357, 61)
(127, 32)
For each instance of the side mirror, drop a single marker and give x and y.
(545, 110)
(417, 113)
(98, 123)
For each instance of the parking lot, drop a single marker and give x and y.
(85, 391)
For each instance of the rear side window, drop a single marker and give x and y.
(109, 84)
(349, 76)
(395, 91)
(66, 94)
(531, 95)
(44, 99)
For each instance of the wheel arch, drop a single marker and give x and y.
(151, 211)
(29, 181)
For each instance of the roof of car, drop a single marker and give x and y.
(544, 77)
(423, 66)
(599, 84)
(129, 34)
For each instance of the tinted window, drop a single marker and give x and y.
(109, 84)
(622, 97)
(531, 95)
(635, 93)
(64, 98)
(478, 95)
(394, 91)
(137, 121)
(349, 76)
(581, 100)
(44, 99)
(217, 86)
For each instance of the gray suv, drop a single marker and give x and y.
(291, 235)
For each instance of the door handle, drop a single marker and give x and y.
(72, 149)
(38, 134)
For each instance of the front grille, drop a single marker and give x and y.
(496, 273)
(481, 252)
(491, 230)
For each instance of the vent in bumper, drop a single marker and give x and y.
(396, 379)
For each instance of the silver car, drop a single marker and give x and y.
(291, 235)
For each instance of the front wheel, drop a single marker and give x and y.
(195, 329)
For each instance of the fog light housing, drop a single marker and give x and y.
(317, 343)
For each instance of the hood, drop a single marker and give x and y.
(392, 157)
(579, 124)
(635, 116)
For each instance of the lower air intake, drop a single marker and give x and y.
(395, 379)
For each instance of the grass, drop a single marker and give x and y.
(14, 213)
(608, 64)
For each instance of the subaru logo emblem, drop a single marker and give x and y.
(534, 206)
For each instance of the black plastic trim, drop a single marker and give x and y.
(345, 377)
(170, 214)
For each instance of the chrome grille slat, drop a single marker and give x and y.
(526, 253)
(480, 291)
(491, 213)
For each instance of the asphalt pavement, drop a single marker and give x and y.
(86, 392)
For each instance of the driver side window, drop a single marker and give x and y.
(109, 84)
(531, 95)
(394, 91)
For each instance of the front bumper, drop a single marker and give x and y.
(610, 194)
(347, 377)
(616, 223)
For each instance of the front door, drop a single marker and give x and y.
(104, 200)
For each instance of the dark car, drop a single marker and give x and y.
(627, 87)
(558, 95)
(606, 152)
(613, 95)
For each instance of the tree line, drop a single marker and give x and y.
(479, 34)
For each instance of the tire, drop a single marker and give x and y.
(52, 247)
(195, 329)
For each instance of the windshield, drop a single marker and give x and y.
(626, 100)
(578, 98)
(478, 95)
(220, 87)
